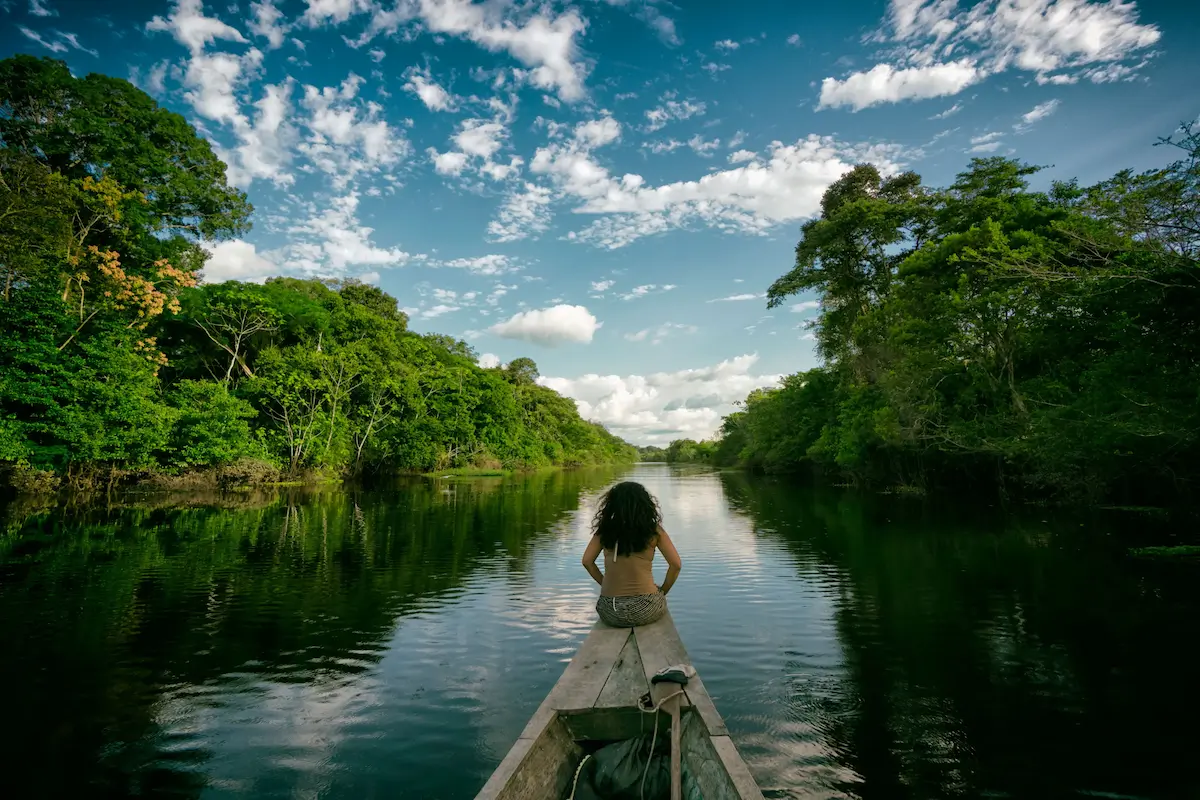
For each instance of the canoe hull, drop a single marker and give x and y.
(596, 700)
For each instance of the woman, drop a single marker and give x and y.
(628, 528)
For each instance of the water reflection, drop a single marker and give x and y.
(988, 654)
(359, 644)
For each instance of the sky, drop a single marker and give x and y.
(609, 186)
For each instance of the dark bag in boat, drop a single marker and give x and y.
(614, 772)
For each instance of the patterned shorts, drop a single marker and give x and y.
(632, 610)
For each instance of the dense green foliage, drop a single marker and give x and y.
(113, 360)
(990, 333)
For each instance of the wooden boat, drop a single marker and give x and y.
(597, 700)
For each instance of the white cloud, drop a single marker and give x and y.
(477, 141)
(543, 42)
(320, 12)
(333, 239)
(265, 148)
(266, 23)
(794, 40)
(34, 36)
(784, 185)
(1040, 112)
(598, 132)
(38, 8)
(348, 136)
(489, 360)
(525, 214)
(654, 409)
(951, 111)
(658, 334)
(438, 310)
(992, 36)
(702, 147)
(886, 84)
(726, 44)
(807, 305)
(712, 68)
(741, 156)
(733, 298)
(986, 137)
(192, 29)
(986, 147)
(236, 260)
(550, 326)
(602, 286)
(376, 54)
(421, 83)
(492, 264)
(670, 109)
(650, 288)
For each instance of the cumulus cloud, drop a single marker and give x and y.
(1057, 40)
(886, 84)
(784, 185)
(333, 239)
(807, 305)
(236, 260)
(266, 23)
(654, 409)
(191, 28)
(542, 41)
(489, 360)
(348, 136)
(524, 214)
(492, 264)
(550, 326)
(477, 142)
(669, 109)
(421, 83)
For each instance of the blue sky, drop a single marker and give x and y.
(609, 186)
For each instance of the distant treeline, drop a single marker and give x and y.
(115, 363)
(988, 334)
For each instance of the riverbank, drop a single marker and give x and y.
(23, 479)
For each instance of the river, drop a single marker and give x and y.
(392, 643)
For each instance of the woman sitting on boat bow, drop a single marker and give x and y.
(628, 529)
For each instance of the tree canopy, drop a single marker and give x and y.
(990, 333)
(114, 360)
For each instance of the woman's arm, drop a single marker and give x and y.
(589, 559)
(667, 548)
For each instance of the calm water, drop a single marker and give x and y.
(393, 643)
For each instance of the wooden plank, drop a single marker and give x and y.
(585, 676)
(535, 769)
(660, 646)
(735, 767)
(627, 681)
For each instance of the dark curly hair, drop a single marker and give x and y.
(628, 518)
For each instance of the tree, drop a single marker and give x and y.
(521, 371)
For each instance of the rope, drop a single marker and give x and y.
(653, 740)
(575, 783)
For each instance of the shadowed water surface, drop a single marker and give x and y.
(393, 643)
